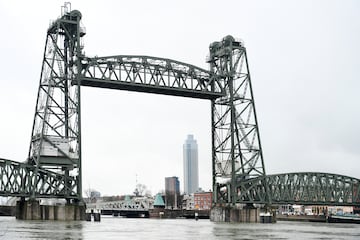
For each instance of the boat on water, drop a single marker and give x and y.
(345, 218)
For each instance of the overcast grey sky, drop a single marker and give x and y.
(304, 63)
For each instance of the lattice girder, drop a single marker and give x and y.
(23, 180)
(150, 74)
(55, 133)
(135, 204)
(304, 188)
(237, 152)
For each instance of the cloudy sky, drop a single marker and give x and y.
(304, 63)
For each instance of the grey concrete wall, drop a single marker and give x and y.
(32, 210)
(233, 214)
(7, 210)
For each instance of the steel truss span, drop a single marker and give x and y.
(314, 188)
(152, 75)
(135, 204)
(22, 180)
(305, 188)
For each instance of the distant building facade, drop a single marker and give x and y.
(198, 201)
(172, 192)
(203, 200)
(191, 169)
(188, 202)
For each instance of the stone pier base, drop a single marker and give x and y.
(32, 210)
(233, 214)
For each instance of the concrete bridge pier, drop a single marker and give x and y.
(28, 210)
(32, 210)
(245, 214)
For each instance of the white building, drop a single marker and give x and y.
(188, 202)
(191, 169)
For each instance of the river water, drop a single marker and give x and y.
(131, 228)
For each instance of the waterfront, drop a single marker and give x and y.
(127, 228)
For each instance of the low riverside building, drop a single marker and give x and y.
(202, 200)
(198, 201)
(317, 210)
(188, 202)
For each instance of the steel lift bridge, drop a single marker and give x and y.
(54, 162)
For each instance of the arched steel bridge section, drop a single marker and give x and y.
(53, 166)
(151, 75)
(135, 204)
(303, 188)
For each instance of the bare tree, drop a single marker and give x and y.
(92, 195)
(141, 190)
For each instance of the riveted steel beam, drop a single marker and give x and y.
(24, 180)
(151, 75)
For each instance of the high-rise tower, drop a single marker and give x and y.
(172, 192)
(191, 169)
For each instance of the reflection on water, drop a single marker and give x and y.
(123, 228)
(10, 228)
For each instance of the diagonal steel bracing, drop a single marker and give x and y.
(152, 75)
(237, 154)
(23, 180)
(305, 188)
(56, 138)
